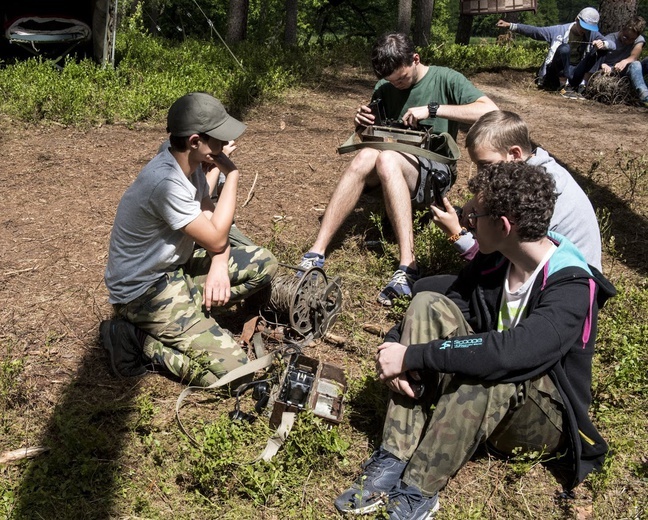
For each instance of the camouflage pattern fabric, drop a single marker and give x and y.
(182, 336)
(237, 238)
(439, 433)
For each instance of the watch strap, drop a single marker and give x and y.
(453, 238)
(432, 109)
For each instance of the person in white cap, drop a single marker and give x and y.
(162, 287)
(573, 48)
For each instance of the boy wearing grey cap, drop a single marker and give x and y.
(162, 286)
(573, 48)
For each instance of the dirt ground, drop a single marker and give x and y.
(60, 188)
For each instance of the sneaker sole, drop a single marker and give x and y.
(371, 508)
(432, 513)
(573, 95)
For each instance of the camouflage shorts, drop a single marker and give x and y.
(182, 336)
(439, 433)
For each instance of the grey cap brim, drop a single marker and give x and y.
(229, 130)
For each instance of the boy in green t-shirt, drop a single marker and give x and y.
(418, 96)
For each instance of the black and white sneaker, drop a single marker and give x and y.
(382, 471)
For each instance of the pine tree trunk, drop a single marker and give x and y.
(404, 16)
(464, 29)
(615, 14)
(290, 32)
(237, 20)
(423, 22)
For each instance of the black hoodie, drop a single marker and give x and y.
(556, 337)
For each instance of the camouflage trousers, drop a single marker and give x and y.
(181, 335)
(438, 433)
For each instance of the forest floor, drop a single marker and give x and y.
(61, 186)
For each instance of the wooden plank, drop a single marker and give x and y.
(497, 6)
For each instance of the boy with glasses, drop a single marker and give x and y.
(629, 43)
(502, 136)
(504, 358)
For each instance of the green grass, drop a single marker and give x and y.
(118, 450)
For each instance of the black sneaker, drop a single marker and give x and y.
(408, 503)
(119, 338)
(381, 473)
(570, 93)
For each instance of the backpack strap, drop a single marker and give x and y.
(275, 442)
(237, 373)
(351, 145)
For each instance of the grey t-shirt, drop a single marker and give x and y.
(147, 240)
(573, 215)
(622, 51)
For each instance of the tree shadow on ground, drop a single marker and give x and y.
(79, 476)
(626, 225)
(367, 408)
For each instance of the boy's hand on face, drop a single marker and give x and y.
(230, 148)
(224, 163)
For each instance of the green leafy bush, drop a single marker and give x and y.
(152, 72)
(485, 56)
(224, 463)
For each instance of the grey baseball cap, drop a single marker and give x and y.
(198, 112)
(588, 19)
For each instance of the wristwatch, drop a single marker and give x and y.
(432, 109)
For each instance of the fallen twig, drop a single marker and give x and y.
(334, 339)
(251, 192)
(18, 271)
(22, 453)
(376, 329)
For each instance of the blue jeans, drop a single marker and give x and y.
(561, 66)
(637, 70)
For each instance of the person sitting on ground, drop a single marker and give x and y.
(502, 136)
(637, 70)
(161, 286)
(420, 96)
(573, 49)
(505, 358)
(629, 43)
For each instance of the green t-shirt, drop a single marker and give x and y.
(440, 84)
